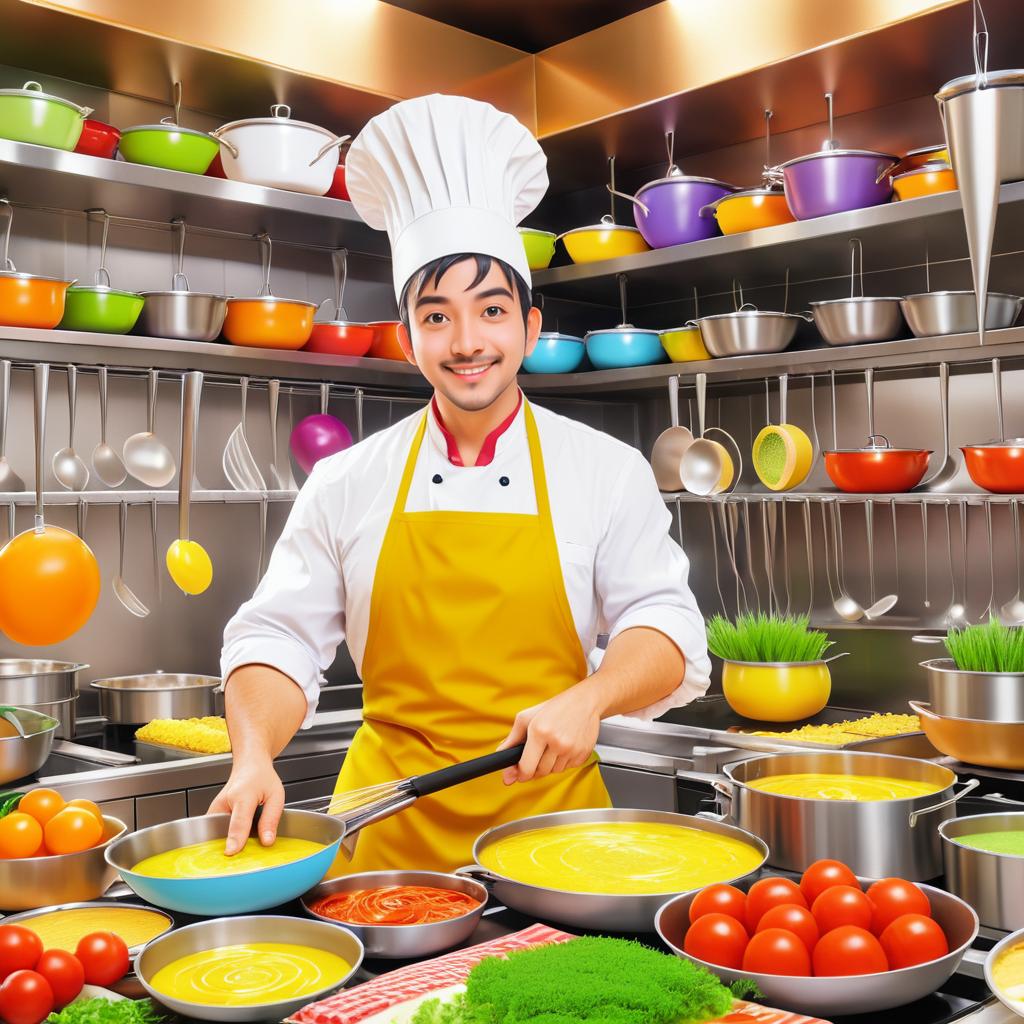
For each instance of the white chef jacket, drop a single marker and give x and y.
(620, 566)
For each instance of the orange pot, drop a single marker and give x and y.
(999, 468)
(27, 300)
(752, 209)
(929, 180)
(385, 344)
(269, 322)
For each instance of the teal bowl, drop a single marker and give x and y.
(620, 347)
(225, 895)
(555, 353)
(104, 310)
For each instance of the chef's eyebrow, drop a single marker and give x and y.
(440, 300)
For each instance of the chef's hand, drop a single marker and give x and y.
(252, 784)
(561, 733)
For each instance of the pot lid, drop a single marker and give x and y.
(22, 276)
(851, 299)
(340, 323)
(103, 290)
(921, 150)
(878, 443)
(608, 226)
(623, 329)
(557, 335)
(1010, 442)
(822, 154)
(926, 168)
(280, 114)
(744, 313)
(270, 298)
(167, 127)
(961, 292)
(687, 179)
(38, 94)
(174, 293)
(761, 190)
(969, 83)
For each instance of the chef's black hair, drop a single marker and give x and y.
(436, 269)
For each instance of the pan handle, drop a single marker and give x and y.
(443, 778)
(998, 798)
(725, 791)
(633, 199)
(477, 874)
(969, 785)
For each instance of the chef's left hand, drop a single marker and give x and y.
(560, 733)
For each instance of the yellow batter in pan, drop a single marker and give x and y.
(821, 786)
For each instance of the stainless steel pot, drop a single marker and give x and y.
(402, 941)
(863, 993)
(182, 314)
(603, 912)
(876, 838)
(134, 700)
(954, 312)
(25, 755)
(993, 883)
(859, 319)
(987, 696)
(27, 681)
(748, 332)
(65, 713)
(972, 740)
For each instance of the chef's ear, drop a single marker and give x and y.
(406, 342)
(533, 325)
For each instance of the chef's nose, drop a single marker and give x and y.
(465, 340)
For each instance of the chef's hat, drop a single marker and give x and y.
(445, 175)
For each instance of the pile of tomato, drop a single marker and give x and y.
(41, 823)
(35, 982)
(827, 926)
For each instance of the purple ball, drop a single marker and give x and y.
(316, 437)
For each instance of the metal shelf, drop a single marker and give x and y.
(74, 181)
(845, 497)
(162, 497)
(894, 235)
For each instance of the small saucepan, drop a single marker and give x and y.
(385, 344)
(98, 139)
(606, 240)
(997, 466)
(340, 337)
(625, 345)
(877, 468)
(927, 180)
(28, 300)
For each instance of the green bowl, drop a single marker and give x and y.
(104, 310)
(169, 146)
(539, 246)
(28, 115)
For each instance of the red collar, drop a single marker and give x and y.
(486, 456)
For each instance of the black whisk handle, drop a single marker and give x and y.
(444, 778)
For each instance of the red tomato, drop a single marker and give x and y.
(720, 899)
(842, 904)
(104, 957)
(717, 939)
(65, 974)
(791, 918)
(20, 949)
(913, 939)
(822, 875)
(25, 998)
(894, 897)
(848, 950)
(776, 951)
(768, 893)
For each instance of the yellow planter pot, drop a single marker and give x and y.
(776, 692)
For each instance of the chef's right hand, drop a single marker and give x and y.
(252, 784)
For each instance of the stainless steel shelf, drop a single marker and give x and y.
(844, 497)
(36, 175)
(894, 235)
(166, 496)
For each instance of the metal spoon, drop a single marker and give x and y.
(107, 463)
(1012, 613)
(124, 593)
(987, 613)
(924, 543)
(809, 539)
(148, 459)
(956, 613)
(846, 607)
(273, 394)
(9, 480)
(68, 466)
(884, 604)
(263, 538)
(155, 543)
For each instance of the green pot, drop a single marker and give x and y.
(31, 115)
(539, 246)
(169, 146)
(105, 310)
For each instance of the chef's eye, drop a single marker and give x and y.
(493, 311)
(435, 318)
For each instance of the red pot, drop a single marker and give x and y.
(877, 469)
(385, 343)
(998, 468)
(338, 189)
(216, 169)
(340, 338)
(98, 139)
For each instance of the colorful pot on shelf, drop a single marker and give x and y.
(101, 309)
(836, 180)
(340, 338)
(684, 344)
(539, 246)
(30, 115)
(339, 188)
(752, 209)
(30, 300)
(168, 145)
(385, 344)
(676, 209)
(98, 139)
(927, 180)
(619, 347)
(555, 353)
(604, 241)
(781, 692)
(269, 322)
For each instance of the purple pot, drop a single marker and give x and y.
(316, 437)
(674, 209)
(833, 181)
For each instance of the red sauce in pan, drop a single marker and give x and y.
(395, 905)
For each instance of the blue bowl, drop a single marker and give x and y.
(226, 895)
(624, 346)
(555, 353)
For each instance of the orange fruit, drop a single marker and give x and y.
(88, 805)
(71, 831)
(20, 835)
(41, 803)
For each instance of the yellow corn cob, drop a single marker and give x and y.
(202, 735)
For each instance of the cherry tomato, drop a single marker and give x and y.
(104, 957)
(913, 939)
(822, 875)
(64, 972)
(20, 835)
(848, 950)
(20, 949)
(776, 951)
(842, 904)
(41, 803)
(791, 918)
(25, 998)
(768, 893)
(88, 805)
(717, 939)
(71, 831)
(720, 899)
(894, 897)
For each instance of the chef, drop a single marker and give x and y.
(471, 553)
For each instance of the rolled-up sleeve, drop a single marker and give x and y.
(295, 620)
(641, 576)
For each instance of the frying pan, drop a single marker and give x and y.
(671, 446)
(340, 337)
(997, 466)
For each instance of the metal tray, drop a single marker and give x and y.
(158, 753)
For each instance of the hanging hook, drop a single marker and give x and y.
(768, 115)
(856, 250)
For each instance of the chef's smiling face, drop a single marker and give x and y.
(468, 337)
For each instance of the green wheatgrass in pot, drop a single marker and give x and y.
(766, 638)
(991, 647)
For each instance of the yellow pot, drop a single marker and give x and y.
(782, 456)
(684, 344)
(928, 180)
(776, 692)
(603, 242)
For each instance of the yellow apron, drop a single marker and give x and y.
(469, 624)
